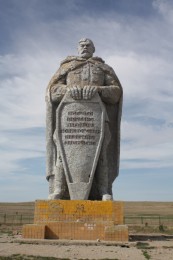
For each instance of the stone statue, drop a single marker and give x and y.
(84, 77)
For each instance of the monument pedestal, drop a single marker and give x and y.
(77, 220)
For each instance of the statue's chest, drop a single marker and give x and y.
(88, 74)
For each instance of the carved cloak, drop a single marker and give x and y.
(114, 112)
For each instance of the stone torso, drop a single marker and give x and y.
(87, 74)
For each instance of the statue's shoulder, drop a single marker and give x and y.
(98, 59)
(101, 63)
(69, 59)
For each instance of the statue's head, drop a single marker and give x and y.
(86, 48)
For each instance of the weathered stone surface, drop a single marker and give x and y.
(34, 231)
(77, 219)
(75, 210)
(80, 132)
(91, 160)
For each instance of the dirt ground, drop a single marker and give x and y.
(141, 247)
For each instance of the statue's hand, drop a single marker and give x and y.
(75, 92)
(89, 92)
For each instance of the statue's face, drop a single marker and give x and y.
(85, 49)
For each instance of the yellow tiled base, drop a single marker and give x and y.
(76, 231)
(58, 210)
(34, 231)
(78, 220)
(85, 231)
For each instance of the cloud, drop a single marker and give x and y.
(146, 146)
(23, 187)
(138, 48)
(23, 83)
(143, 184)
(16, 146)
(165, 8)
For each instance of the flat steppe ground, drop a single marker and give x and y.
(145, 242)
(135, 208)
(13, 247)
(144, 208)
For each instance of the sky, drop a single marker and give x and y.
(135, 38)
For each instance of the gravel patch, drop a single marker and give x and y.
(64, 249)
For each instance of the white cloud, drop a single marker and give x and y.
(23, 187)
(165, 7)
(16, 147)
(148, 185)
(23, 83)
(140, 50)
(146, 146)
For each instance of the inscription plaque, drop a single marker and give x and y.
(80, 132)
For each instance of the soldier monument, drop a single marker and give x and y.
(84, 102)
(83, 114)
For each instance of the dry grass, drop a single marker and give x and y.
(17, 208)
(148, 208)
(130, 208)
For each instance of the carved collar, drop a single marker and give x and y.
(80, 59)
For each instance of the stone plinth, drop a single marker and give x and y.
(78, 220)
(34, 231)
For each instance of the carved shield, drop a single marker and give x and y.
(80, 133)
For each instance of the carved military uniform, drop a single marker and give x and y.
(81, 72)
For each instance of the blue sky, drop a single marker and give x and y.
(135, 38)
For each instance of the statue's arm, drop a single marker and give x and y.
(58, 91)
(111, 91)
(58, 86)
